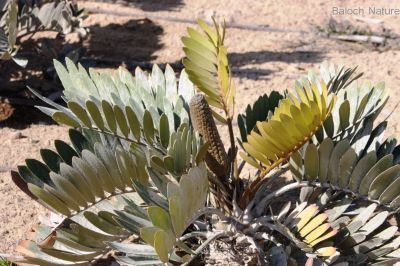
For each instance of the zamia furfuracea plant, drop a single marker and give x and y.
(21, 18)
(146, 179)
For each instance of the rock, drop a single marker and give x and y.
(6, 110)
(18, 135)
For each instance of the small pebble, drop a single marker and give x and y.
(18, 135)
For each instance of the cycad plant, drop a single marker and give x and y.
(22, 18)
(147, 179)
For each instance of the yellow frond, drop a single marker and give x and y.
(314, 223)
(293, 123)
(326, 251)
(306, 215)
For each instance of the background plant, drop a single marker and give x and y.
(145, 152)
(19, 19)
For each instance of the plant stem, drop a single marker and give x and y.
(162, 151)
(193, 234)
(27, 32)
(237, 225)
(211, 238)
(270, 178)
(256, 184)
(261, 254)
(241, 166)
(102, 199)
(260, 205)
(233, 149)
(204, 211)
(258, 193)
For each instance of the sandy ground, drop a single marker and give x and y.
(279, 57)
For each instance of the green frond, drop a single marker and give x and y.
(206, 64)
(357, 107)
(86, 186)
(262, 108)
(109, 104)
(100, 192)
(70, 179)
(185, 149)
(373, 175)
(59, 16)
(153, 92)
(185, 199)
(17, 18)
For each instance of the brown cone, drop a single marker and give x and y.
(203, 121)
